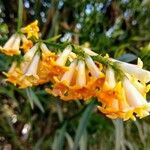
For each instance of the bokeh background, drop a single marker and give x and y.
(32, 119)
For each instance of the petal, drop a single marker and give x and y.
(134, 98)
(10, 42)
(89, 52)
(64, 56)
(32, 70)
(136, 71)
(92, 67)
(29, 55)
(81, 76)
(16, 43)
(110, 77)
(44, 48)
(67, 77)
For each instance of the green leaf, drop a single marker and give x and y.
(84, 140)
(59, 138)
(38, 143)
(127, 57)
(83, 123)
(33, 99)
(52, 39)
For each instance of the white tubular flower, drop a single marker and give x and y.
(134, 98)
(72, 56)
(110, 78)
(92, 67)
(16, 43)
(11, 47)
(135, 70)
(67, 77)
(89, 52)
(13, 66)
(64, 56)
(44, 48)
(32, 69)
(29, 55)
(10, 42)
(27, 58)
(81, 76)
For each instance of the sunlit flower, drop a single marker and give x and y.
(25, 73)
(135, 99)
(32, 30)
(122, 99)
(38, 66)
(45, 69)
(11, 47)
(78, 82)
(26, 44)
(135, 70)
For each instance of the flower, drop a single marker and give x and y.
(32, 30)
(78, 82)
(135, 99)
(134, 70)
(122, 99)
(39, 65)
(45, 69)
(26, 44)
(25, 74)
(11, 47)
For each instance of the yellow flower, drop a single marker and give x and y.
(11, 47)
(135, 70)
(26, 44)
(32, 30)
(25, 73)
(78, 82)
(122, 99)
(45, 69)
(39, 65)
(136, 100)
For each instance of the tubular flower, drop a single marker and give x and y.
(58, 66)
(32, 30)
(11, 47)
(39, 65)
(26, 44)
(112, 97)
(122, 99)
(135, 99)
(135, 70)
(78, 82)
(45, 69)
(25, 74)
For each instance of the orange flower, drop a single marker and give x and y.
(122, 99)
(39, 65)
(11, 47)
(26, 44)
(78, 82)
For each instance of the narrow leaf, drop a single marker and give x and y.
(127, 57)
(59, 138)
(83, 124)
(34, 99)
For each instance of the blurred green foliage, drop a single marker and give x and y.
(32, 119)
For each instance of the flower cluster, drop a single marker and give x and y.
(78, 73)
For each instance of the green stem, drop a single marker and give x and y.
(20, 14)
